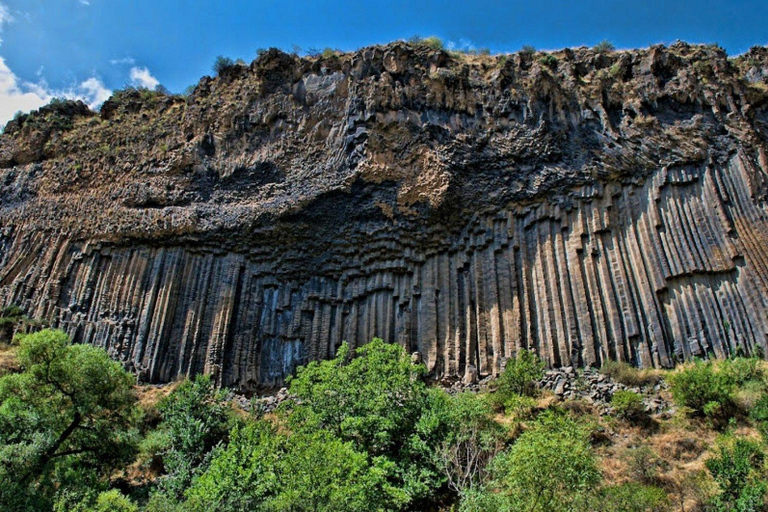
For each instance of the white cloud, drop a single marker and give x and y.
(16, 95)
(125, 60)
(462, 45)
(93, 92)
(141, 77)
(5, 18)
(85, 2)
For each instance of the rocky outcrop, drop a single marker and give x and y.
(609, 206)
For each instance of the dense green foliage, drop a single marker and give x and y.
(550, 468)
(518, 380)
(65, 422)
(631, 497)
(738, 470)
(195, 419)
(704, 390)
(379, 402)
(628, 404)
(263, 469)
(361, 432)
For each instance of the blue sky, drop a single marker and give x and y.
(86, 48)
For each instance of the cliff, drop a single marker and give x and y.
(587, 205)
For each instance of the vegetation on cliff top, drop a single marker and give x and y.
(364, 432)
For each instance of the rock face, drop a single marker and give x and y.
(601, 206)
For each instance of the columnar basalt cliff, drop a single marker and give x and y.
(592, 206)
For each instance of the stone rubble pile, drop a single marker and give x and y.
(598, 389)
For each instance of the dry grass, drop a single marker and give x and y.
(150, 395)
(629, 375)
(8, 361)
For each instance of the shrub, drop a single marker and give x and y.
(742, 370)
(703, 390)
(549, 60)
(113, 501)
(759, 415)
(431, 42)
(632, 497)
(527, 50)
(628, 375)
(329, 52)
(644, 465)
(221, 64)
(735, 468)
(549, 468)
(263, 469)
(519, 376)
(628, 404)
(604, 46)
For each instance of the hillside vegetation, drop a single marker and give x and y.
(365, 432)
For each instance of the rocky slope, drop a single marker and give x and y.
(589, 206)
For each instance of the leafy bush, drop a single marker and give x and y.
(519, 377)
(628, 375)
(632, 497)
(743, 370)
(221, 64)
(549, 60)
(110, 501)
(703, 390)
(527, 50)
(604, 47)
(628, 404)
(431, 42)
(330, 52)
(759, 415)
(737, 470)
(471, 440)
(550, 468)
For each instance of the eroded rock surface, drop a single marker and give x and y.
(610, 206)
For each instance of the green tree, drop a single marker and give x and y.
(66, 420)
(264, 470)
(374, 400)
(195, 419)
(242, 475)
(550, 468)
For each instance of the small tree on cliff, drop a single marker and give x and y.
(65, 421)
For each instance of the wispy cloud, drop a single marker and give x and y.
(141, 77)
(84, 2)
(465, 45)
(5, 18)
(17, 95)
(128, 61)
